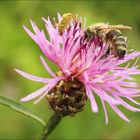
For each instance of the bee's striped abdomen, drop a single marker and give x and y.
(118, 42)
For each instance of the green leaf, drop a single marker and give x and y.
(19, 108)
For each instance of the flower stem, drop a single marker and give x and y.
(50, 126)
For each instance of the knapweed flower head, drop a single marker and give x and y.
(83, 73)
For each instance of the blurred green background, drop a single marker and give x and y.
(17, 50)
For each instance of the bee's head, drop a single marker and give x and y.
(121, 51)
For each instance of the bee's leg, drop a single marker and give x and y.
(108, 51)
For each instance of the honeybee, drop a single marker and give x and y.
(110, 34)
(66, 19)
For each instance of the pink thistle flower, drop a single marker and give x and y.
(82, 60)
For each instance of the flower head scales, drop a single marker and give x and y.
(84, 61)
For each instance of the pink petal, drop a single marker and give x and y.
(105, 112)
(92, 100)
(42, 96)
(102, 94)
(34, 94)
(47, 67)
(126, 105)
(132, 100)
(33, 36)
(119, 112)
(128, 84)
(32, 77)
(129, 57)
(34, 26)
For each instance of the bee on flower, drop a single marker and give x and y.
(83, 72)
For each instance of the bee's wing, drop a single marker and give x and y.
(97, 25)
(121, 27)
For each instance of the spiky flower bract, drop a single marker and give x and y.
(82, 60)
